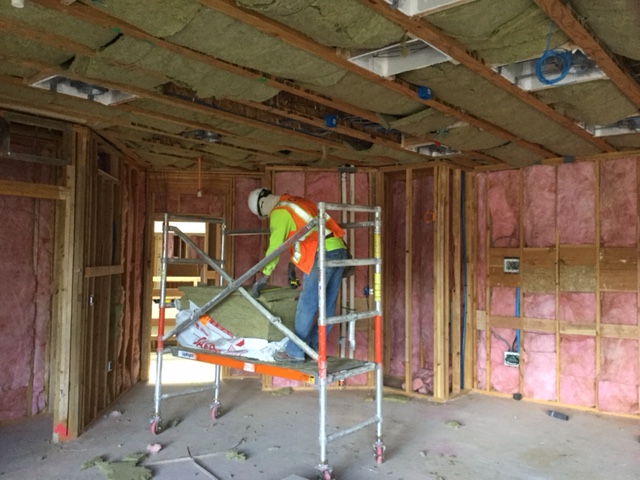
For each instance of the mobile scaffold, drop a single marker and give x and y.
(320, 370)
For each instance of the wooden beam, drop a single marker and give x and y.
(171, 101)
(68, 114)
(299, 40)
(456, 296)
(104, 270)
(471, 238)
(441, 285)
(564, 17)
(88, 14)
(408, 283)
(420, 28)
(34, 190)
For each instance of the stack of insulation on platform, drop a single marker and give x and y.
(236, 314)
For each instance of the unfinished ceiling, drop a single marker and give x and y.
(250, 83)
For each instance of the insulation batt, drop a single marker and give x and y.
(25, 267)
(481, 359)
(577, 307)
(503, 208)
(396, 281)
(618, 382)
(618, 203)
(539, 305)
(576, 203)
(577, 370)
(481, 266)
(539, 366)
(539, 206)
(619, 308)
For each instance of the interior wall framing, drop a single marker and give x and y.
(574, 302)
(423, 262)
(92, 306)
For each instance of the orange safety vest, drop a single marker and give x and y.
(303, 252)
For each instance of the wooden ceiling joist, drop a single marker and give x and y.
(82, 117)
(65, 44)
(564, 17)
(299, 40)
(453, 48)
(88, 14)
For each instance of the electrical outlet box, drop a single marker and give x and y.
(511, 265)
(511, 359)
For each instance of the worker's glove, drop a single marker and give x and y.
(293, 279)
(258, 286)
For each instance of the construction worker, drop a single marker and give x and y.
(287, 214)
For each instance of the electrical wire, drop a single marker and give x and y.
(563, 57)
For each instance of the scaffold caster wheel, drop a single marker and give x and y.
(324, 472)
(155, 427)
(379, 452)
(215, 412)
(325, 475)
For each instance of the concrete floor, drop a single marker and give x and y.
(474, 437)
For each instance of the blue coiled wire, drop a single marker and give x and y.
(563, 56)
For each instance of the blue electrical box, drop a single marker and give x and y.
(331, 121)
(424, 93)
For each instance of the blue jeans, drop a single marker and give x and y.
(305, 325)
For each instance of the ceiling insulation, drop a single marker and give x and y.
(331, 22)
(460, 86)
(616, 22)
(499, 32)
(273, 80)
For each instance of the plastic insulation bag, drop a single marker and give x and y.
(207, 334)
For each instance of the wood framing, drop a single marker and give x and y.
(594, 269)
(420, 28)
(564, 17)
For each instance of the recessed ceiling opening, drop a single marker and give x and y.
(435, 150)
(573, 66)
(400, 57)
(422, 7)
(621, 127)
(76, 88)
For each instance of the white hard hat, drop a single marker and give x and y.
(255, 200)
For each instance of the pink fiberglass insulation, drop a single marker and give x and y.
(620, 308)
(539, 209)
(481, 265)
(539, 366)
(138, 191)
(422, 276)
(22, 335)
(247, 249)
(618, 380)
(618, 362)
(618, 203)
(617, 397)
(539, 305)
(502, 198)
(395, 217)
(576, 203)
(577, 307)
(481, 361)
(577, 370)
(504, 379)
(503, 301)
(207, 204)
